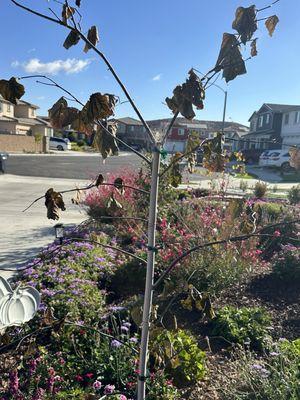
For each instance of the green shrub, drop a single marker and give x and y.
(269, 212)
(128, 279)
(294, 195)
(242, 325)
(274, 377)
(178, 353)
(80, 143)
(286, 264)
(260, 189)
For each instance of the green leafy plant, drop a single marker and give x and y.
(294, 195)
(286, 264)
(260, 190)
(179, 354)
(242, 325)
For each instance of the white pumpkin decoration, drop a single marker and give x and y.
(17, 306)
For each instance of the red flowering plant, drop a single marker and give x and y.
(109, 200)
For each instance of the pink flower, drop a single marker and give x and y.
(89, 375)
(122, 397)
(277, 233)
(97, 385)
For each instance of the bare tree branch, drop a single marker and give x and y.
(101, 55)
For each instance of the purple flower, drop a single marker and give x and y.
(124, 329)
(115, 343)
(109, 389)
(274, 353)
(257, 366)
(133, 340)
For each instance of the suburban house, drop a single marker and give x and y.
(290, 129)
(132, 132)
(21, 119)
(267, 125)
(179, 134)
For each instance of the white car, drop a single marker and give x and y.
(263, 158)
(279, 159)
(56, 143)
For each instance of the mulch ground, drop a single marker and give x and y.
(280, 299)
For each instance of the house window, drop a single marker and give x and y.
(180, 131)
(297, 117)
(132, 128)
(286, 119)
(267, 118)
(8, 108)
(260, 121)
(32, 112)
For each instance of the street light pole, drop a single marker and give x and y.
(224, 111)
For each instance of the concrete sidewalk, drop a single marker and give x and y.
(23, 234)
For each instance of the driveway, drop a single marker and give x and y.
(22, 234)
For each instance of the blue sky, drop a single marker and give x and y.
(152, 45)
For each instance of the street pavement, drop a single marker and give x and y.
(23, 234)
(69, 165)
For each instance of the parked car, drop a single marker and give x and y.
(3, 158)
(56, 143)
(279, 159)
(263, 158)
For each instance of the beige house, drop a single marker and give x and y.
(21, 119)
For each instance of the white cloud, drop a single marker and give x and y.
(31, 50)
(69, 66)
(157, 77)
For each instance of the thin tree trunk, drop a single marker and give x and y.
(149, 277)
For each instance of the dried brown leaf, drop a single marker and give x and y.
(245, 22)
(271, 23)
(99, 180)
(100, 106)
(230, 58)
(295, 158)
(54, 202)
(119, 184)
(93, 37)
(11, 90)
(78, 3)
(61, 115)
(66, 13)
(106, 143)
(254, 48)
(187, 95)
(71, 40)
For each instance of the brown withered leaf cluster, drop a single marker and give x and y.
(93, 37)
(105, 142)
(11, 90)
(185, 96)
(295, 158)
(54, 202)
(213, 158)
(271, 24)
(245, 22)
(78, 3)
(66, 13)
(175, 176)
(99, 106)
(230, 59)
